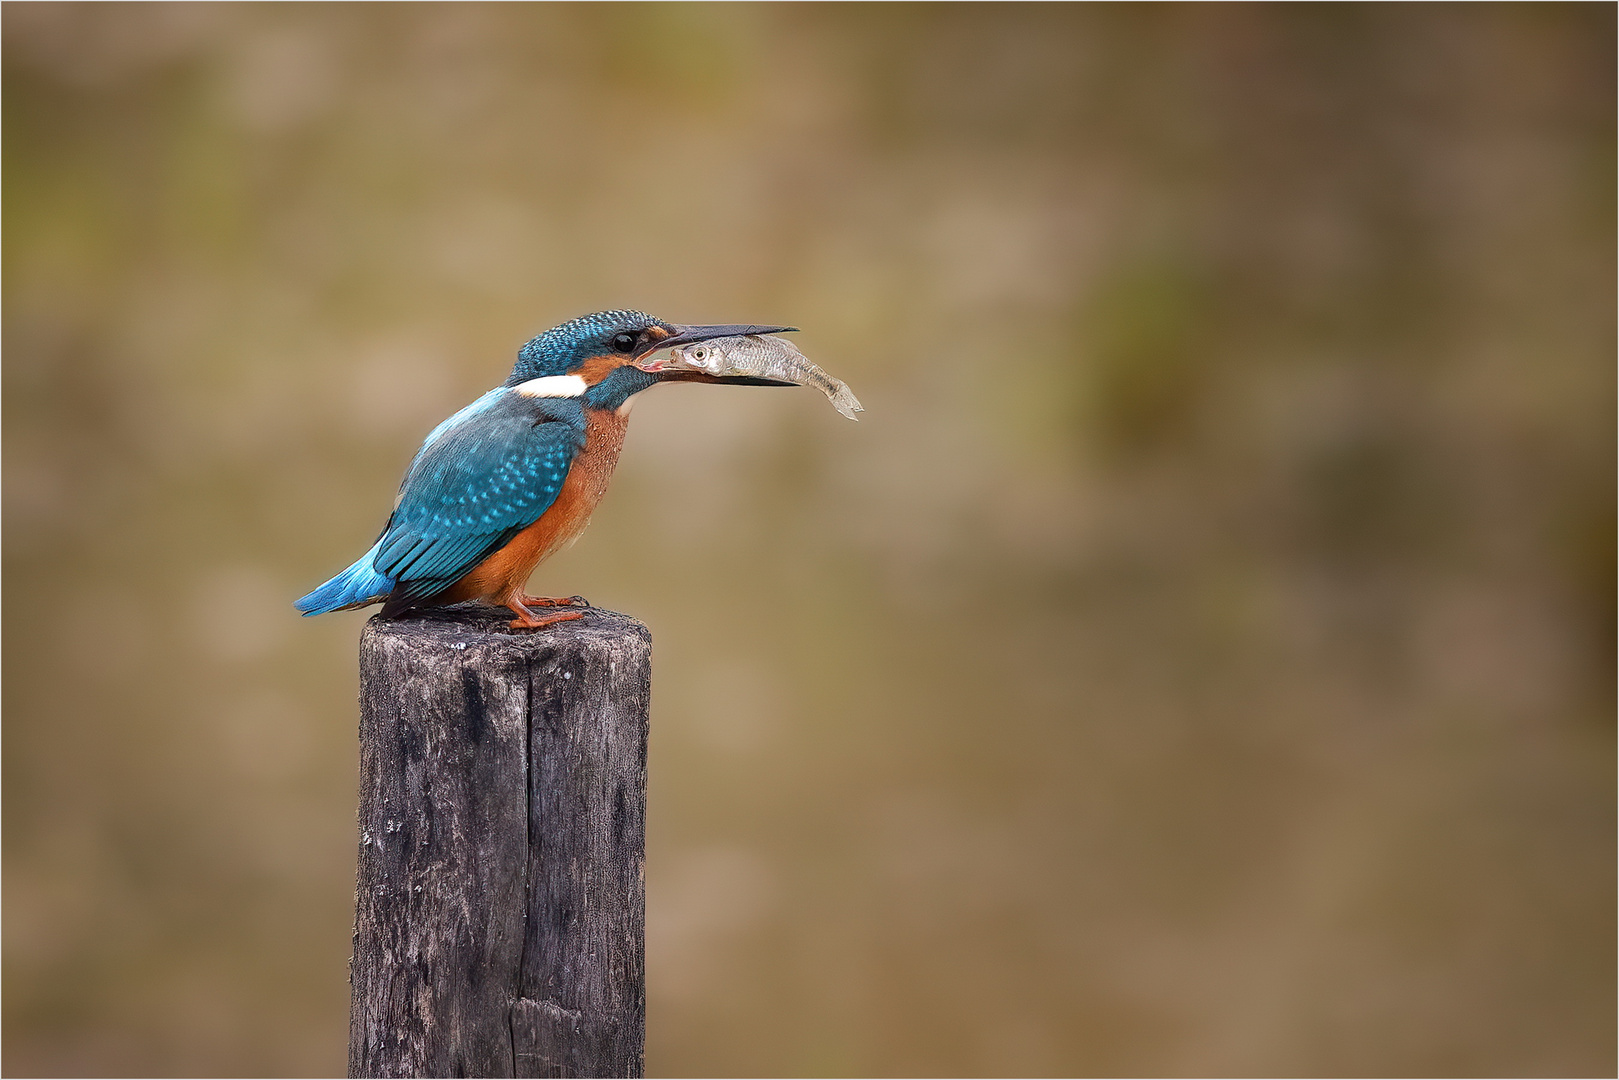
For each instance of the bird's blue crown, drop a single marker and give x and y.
(563, 348)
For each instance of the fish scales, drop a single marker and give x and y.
(767, 358)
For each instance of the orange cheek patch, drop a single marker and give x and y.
(597, 368)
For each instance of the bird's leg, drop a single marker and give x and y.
(527, 620)
(552, 601)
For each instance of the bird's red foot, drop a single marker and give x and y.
(552, 601)
(527, 620)
(531, 621)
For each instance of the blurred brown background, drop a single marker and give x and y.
(1198, 660)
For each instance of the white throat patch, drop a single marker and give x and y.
(553, 386)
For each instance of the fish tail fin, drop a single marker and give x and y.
(845, 402)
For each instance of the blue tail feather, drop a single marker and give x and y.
(360, 584)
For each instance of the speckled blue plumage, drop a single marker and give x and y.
(481, 482)
(562, 348)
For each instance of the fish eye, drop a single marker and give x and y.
(699, 354)
(624, 342)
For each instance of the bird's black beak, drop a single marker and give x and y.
(686, 335)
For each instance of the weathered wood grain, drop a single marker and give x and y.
(500, 901)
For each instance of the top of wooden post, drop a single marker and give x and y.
(468, 625)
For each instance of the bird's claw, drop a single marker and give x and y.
(552, 601)
(533, 623)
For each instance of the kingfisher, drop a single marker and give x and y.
(513, 478)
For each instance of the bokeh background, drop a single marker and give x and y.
(1200, 658)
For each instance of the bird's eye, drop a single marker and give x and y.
(624, 342)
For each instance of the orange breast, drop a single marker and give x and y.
(507, 570)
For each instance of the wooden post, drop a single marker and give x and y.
(500, 902)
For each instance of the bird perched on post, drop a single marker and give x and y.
(513, 477)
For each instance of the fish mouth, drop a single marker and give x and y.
(687, 335)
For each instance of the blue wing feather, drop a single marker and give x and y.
(475, 484)
(480, 478)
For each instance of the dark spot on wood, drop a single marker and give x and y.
(472, 707)
(621, 813)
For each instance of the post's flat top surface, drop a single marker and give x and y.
(481, 624)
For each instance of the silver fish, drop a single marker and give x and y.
(767, 358)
